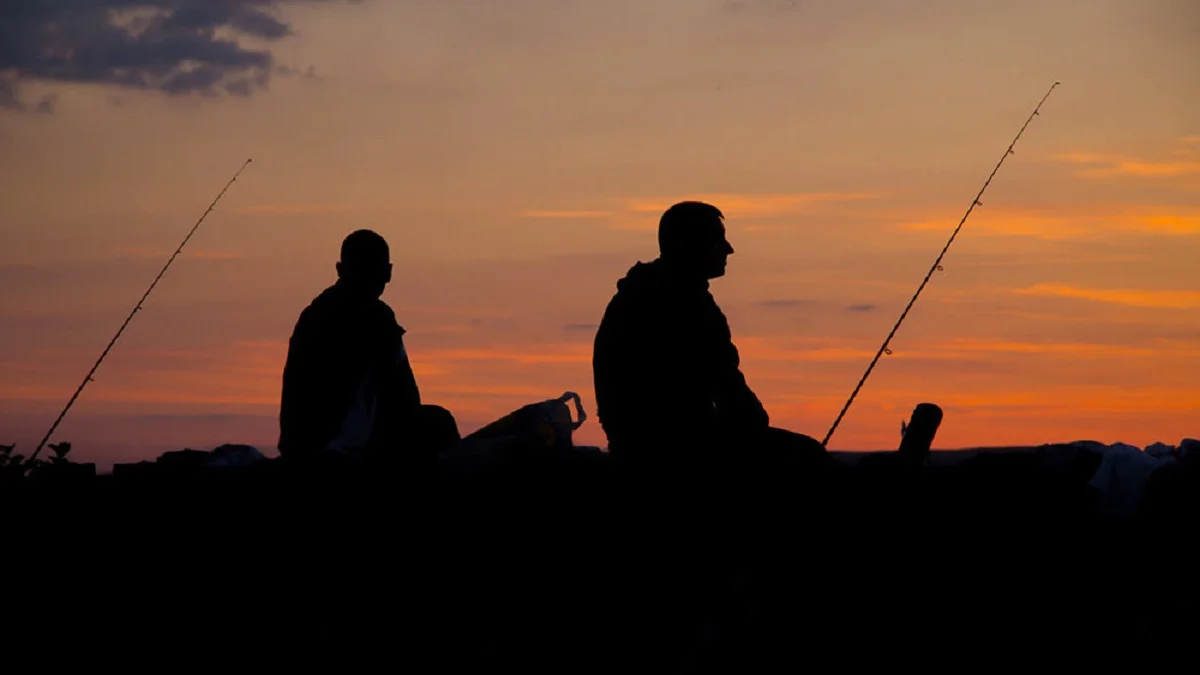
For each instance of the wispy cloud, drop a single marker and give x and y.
(785, 303)
(749, 206)
(1099, 165)
(175, 392)
(1015, 222)
(1187, 146)
(642, 213)
(239, 374)
(1146, 169)
(1158, 299)
(755, 348)
(779, 350)
(742, 6)
(207, 254)
(1074, 350)
(204, 254)
(292, 209)
(566, 215)
(1065, 400)
(1067, 221)
(1176, 225)
(486, 390)
(535, 354)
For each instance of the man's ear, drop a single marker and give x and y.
(388, 278)
(338, 267)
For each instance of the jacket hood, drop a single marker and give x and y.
(656, 274)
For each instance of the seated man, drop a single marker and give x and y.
(348, 387)
(667, 375)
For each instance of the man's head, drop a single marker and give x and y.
(691, 236)
(366, 263)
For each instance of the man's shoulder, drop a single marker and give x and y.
(385, 313)
(317, 309)
(627, 305)
(326, 298)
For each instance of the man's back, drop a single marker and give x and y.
(664, 365)
(345, 356)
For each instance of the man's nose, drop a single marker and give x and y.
(728, 248)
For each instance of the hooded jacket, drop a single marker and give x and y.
(347, 380)
(664, 365)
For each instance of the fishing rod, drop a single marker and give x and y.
(937, 267)
(136, 309)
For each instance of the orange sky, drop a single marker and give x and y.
(517, 156)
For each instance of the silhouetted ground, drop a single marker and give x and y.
(573, 565)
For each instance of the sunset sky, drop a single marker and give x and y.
(517, 154)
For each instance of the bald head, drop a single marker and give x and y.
(365, 263)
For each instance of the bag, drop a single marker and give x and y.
(547, 425)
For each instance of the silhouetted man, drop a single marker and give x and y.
(348, 387)
(667, 374)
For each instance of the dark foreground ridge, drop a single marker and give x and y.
(564, 561)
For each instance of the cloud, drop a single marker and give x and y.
(566, 215)
(1015, 222)
(643, 213)
(1146, 169)
(8, 94)
(768, 349)
(861, 308)
(309, 73)
(740, 6)
(583, 327)
(965, 348)
(748, 206)
(1104, 165)
(9, 100)
(1073, 221)
(1175, 224)
(291, 209)
(46, 105)
(1128, 297)
(212, 254)
(784, 303)
(524, 355)
(175, 47)
(206, 254)
(243, 373)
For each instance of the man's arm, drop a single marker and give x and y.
(399, 400)
(408, 394)
(736, 403)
